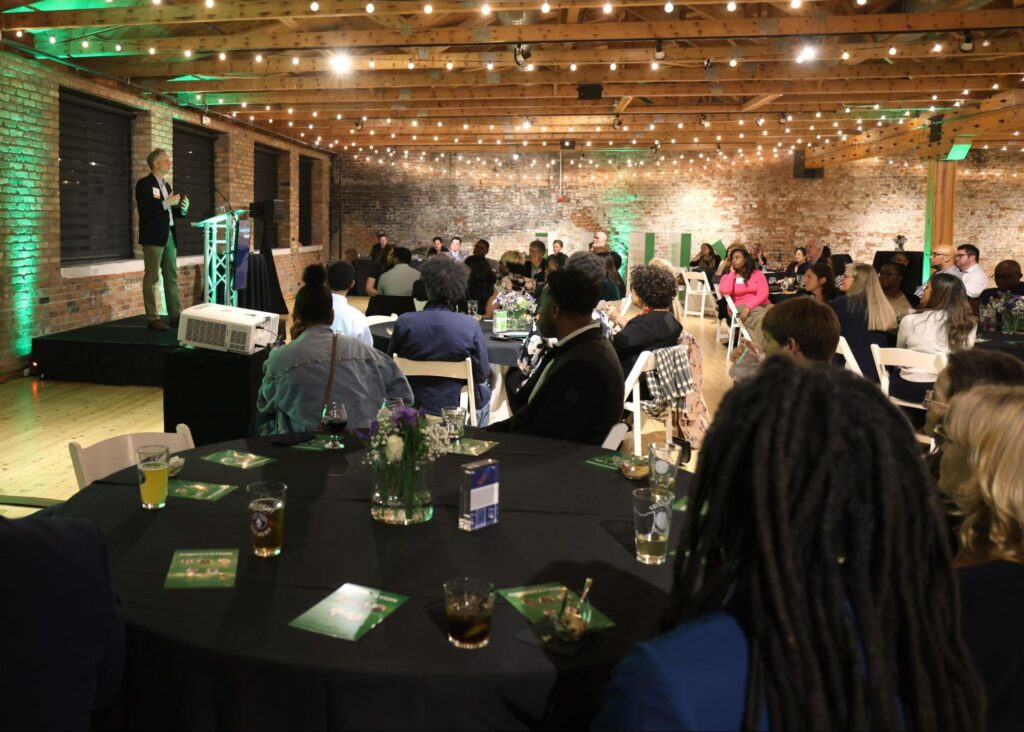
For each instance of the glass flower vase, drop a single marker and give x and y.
(1010, 324)
(401, 493)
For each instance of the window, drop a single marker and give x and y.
(192, 175)
(96, 186)
(264, 180)
(305, 201)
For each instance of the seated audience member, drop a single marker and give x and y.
(384, 261)
(973, 276)
(556, 246)
(436, 246)
(944, 324)
(455, 249)
(612, 287)
(600, 242)
(63, 648)
(677, 306)
(726, 264)
(901, 258)
(820, 282)
(965, 370)
(481, 249)
(576, 393)
(799, 264)
(865, 316)
(653, 292)
(981, 470)
(398, 281)
(816, 253)
(706, 259)
(347, 319)
(780, 616)
(890, 277)
(514, 273)
(801, 328)
(536, 260)
(748, 288)
(295, 376)
(556, 261)
(481, 285)
(438, 333)
(943, 261)
(757, 254)
(1008, 281)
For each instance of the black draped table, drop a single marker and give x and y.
(502, 352)
(227, 658)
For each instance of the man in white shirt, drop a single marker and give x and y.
(399, 279)
(347, 319)
(974, 278)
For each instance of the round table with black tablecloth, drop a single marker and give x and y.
(227, 658)
(501, 352)
(779, 296)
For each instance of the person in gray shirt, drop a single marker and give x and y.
(399, 279)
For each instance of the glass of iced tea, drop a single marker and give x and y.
(266, 517)
(652, 517)
(469, 604)
(154, 464)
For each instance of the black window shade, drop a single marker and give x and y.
(96, 186)
(305, 201)
(264, 184)
(192, 175)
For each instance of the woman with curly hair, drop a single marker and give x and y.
(654, 290)
(981, 469)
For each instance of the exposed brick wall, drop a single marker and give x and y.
(857, 208)
(34, 297)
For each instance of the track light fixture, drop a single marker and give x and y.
(707, 63)
(703, 120)
(782, 118)
(967, 44)
(359, 125)
(659, 51)
(521, 54)
(617, 123)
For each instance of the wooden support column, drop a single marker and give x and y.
(939, 208)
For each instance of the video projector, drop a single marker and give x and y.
(225, 328)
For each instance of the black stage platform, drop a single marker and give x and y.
(120, 352)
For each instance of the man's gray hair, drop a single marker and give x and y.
(151, 158)
(445, 279)
(589, 264)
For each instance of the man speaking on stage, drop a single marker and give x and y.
(158, 206)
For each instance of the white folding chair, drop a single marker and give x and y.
(420, 304)
(624, 305)
(117, 453)
(644, 362)
(461, 370)
(719, 335)
(847, 353)
(697, 285)
(615, 436)
(735, 326)
(378, 319)
(903, 358)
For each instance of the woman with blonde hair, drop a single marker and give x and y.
(982, 472)
(865, 315)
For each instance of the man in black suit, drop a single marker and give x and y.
(576, 392)
(158, 206)
(63, 648)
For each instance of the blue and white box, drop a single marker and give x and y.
(478, 502)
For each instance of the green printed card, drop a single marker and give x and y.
(607, 461)
(193, 569)
(680, 505)
(470, 447)
(350, 612)
(238, 459)
(317, 444)
(199, 491)
(532, 601)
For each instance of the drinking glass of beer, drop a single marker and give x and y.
(266, 517)
(469, 604)
(652, 517)
(664, 458)
(154, 464)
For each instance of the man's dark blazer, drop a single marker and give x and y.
(581, 396)
(154, 225)
(63, 646)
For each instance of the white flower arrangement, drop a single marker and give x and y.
(404, 436)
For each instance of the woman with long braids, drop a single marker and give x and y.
(814, 589)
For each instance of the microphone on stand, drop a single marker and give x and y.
(229, 207)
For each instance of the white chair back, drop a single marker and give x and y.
(903, 358)
(847, 353)
(696, 285)
(378, 319)
(644, 362)
(117, 453)
(735, 327)
(420, 304)
(615, 436)
(461, 370)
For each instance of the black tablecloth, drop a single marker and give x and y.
(499, 351)
(779, 296)
(226, 658)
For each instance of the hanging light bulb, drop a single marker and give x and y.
(607, 8)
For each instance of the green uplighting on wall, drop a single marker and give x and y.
(621, 206)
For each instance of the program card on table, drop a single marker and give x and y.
(197, 490)
(317, 444)
(238, 459)
(469, 447)
(350, 612)
(193, 569)
(533, 600)
(609, 461)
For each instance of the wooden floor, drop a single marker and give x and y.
(38, 418)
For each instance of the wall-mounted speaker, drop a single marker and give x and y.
(589, 91)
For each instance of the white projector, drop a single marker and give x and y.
(224, 328)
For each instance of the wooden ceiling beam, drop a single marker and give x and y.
(590, 32)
